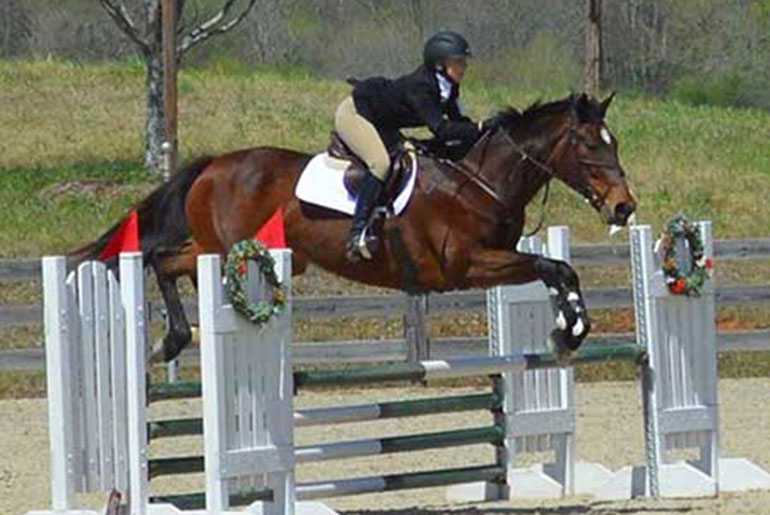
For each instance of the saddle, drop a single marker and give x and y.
(398, 175)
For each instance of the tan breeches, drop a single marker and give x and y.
(362, 138)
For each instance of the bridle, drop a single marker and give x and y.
(580, 187)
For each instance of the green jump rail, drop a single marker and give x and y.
(197, 501)
(392, 482)
(410, 372)
(393, 409)
(480, 435)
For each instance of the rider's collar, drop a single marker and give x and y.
(444, 86)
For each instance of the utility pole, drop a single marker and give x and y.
(593, 56)
(169, 87)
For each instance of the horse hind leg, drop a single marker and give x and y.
(167, 272)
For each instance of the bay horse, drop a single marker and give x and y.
(458, 231)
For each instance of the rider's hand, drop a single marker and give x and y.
(490, 124)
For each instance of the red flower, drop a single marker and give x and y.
(242, 270)
(677, 287)
(709, 263)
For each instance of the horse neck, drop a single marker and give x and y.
(515, 177)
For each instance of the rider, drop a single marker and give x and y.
(369, 120)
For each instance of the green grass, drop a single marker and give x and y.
(62, 122)
(51, 209)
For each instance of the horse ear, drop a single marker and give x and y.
(581, 106)
(606, 103)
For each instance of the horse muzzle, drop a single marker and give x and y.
(620, 214)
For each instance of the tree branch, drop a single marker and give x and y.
(181, 25)
(120, 16)
(214, 26)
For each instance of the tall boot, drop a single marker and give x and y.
(370, 191)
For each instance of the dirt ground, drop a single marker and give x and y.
(609, 431)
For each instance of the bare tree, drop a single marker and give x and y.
(15, 28)
(593, 71)
(143, 25)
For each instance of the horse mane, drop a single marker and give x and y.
(512, 120)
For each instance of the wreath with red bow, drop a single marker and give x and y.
(235, 285)
(678, 283)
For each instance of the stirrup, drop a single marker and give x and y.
(358, 249)
(362, 247)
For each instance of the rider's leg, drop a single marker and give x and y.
(370, 190)
(363, 139)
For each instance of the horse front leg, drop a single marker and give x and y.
(572, 322)
(497, 267)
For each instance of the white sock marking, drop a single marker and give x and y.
(577, 329)
(561, 322)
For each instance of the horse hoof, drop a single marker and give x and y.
(163, 352)
(561, 347)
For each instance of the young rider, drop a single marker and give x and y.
(369, 121)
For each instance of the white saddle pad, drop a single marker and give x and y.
(321, 184)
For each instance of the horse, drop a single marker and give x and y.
(458, 231)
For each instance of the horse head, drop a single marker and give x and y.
(569, 140)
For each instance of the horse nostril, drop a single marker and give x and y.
(623, 211)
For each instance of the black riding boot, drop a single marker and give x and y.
(365, 203)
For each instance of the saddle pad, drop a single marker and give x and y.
(321, 184)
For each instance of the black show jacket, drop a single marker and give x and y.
(413, 100)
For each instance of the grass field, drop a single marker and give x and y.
(71, 148)
(62, 122)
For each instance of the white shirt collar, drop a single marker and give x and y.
(444, 87)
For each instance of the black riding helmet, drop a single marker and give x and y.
(443, 45)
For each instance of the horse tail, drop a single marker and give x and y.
(162, 223)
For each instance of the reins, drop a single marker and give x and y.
(476, 178)
(580, 187)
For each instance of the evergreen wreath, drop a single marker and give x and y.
(236, 280)
(700, 267)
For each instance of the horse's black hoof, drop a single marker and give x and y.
(170, 349)
(163, 352)
(561, 347)
(170, 352)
